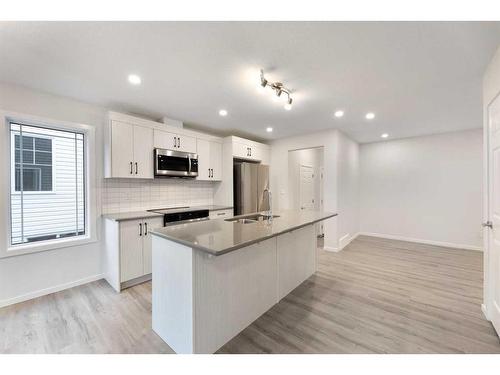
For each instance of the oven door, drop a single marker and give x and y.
(174, 163)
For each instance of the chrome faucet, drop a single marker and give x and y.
(270, 203)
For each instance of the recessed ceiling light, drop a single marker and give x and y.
(339, 113)
(269, 129)
(370, 116)
(134, 79)
(222, 112)
(385, 135)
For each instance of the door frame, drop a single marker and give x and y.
(488, 283)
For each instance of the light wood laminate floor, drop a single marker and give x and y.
(376, 296)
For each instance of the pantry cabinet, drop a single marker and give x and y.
(209, 160)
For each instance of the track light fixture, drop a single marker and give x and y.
(280, 90)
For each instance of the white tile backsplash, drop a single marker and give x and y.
(124, 195)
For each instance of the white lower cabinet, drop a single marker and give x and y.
(147, 245)
(128, 251)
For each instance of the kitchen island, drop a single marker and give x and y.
(212, 279)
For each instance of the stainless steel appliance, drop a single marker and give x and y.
(169, 163)
(177, 215)
(251, 180)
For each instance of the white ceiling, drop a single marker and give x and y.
(418, 77)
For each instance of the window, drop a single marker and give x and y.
(36, 160)
(47, 197)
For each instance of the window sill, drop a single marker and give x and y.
(47, 246)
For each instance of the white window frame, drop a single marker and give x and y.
(8, 250)
(54, 169)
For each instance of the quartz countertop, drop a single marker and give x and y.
(220, 236)
(147, 214)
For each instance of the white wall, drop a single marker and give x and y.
(348, 189)
(334, 144)
(34, 274)
(424, 188)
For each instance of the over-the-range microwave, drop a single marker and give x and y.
(169, 163)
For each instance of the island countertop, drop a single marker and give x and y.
(220, 236)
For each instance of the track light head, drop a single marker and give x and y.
(263, 81)
(279, 89)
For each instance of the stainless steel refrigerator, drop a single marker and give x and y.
(250, 181)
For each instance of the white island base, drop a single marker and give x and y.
(201, 301)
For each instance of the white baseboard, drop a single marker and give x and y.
(426, 242)
(53, 289)
(485, 311)
(330, 248)
(346, 240)
(343, 242)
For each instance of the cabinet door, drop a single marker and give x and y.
(122, 149)
(260, 154)
(241, 150)
(149, 225)
(131, 258)
(203, 148)
(186, 143)
(165, 140)
(216, 160)
(143, 152)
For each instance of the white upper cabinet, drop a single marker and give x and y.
(174, 141)
(203, 150)
(131, 151)
(216, 160)
(143, 152)
(122, 150)
(130, 142)
(209, 160)
(250, 150)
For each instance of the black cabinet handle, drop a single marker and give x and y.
(131, 168)
(140, 229)
(179, 142)
(175, 141)
(146, 229)
(136, 168)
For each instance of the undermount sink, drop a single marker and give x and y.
(243, 221)
(252, 218)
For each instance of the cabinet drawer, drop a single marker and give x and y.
(220, 214)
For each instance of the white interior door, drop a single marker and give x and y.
(306, 187)
(493, 231)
